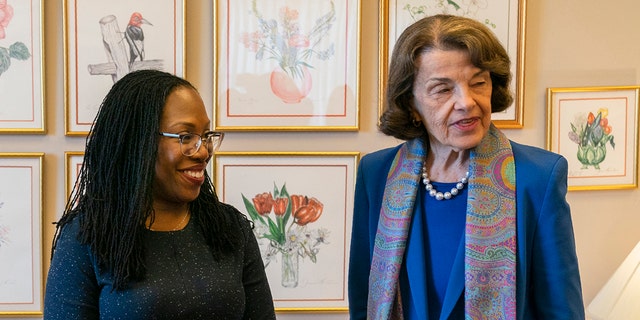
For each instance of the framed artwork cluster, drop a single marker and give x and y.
(278, 65)
(291, 66)
(302, 75)
(102, 42)
(294, 66)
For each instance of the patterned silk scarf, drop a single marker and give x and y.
(490, 233)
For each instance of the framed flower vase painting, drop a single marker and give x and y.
(286, 65)
(301, 204)
(105, 40)
(506, 18)
(21, 67)
(596, 130)
(21, 270)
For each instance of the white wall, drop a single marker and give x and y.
(568, 43)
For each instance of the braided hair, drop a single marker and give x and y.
(113, 196)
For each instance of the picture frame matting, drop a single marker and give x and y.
(596, 130)
(286, 65)
(21, 250)
(320, 182)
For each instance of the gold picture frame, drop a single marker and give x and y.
(72, 166)
(96, 52)
(320, 282)
(22, 80)
(596, 130)
(508, 20)
(21, 205)
(286, 65)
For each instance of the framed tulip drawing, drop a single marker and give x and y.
(286, 65)
(596, 129)
(21, 67)
(505, 17)
(301, 204)
(105, 40)
(21, 271)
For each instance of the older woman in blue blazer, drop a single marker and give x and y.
(458, 221)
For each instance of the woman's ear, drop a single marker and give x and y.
(416, 119)
(413, 112)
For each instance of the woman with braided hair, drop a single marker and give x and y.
(143, 235)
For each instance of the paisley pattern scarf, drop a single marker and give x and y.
(490, 233)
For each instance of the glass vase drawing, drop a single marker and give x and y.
(291, 87)
(591, 155)
(290, 269)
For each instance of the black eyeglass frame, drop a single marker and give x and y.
(215, 136)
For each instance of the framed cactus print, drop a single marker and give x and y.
(22, 67)
(301, 204)
(21, 270)
(505, 17)
(596, 129)
(105, 40)
(282, 65)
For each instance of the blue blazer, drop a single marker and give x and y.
(548, 280)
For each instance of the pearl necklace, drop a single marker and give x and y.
(439, 195)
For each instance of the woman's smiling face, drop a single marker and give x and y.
(178, 178)
(453, 99)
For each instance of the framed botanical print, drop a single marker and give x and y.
(21, 270)
(286, 65)
(22, 67)
(596, 130)
(301, 204)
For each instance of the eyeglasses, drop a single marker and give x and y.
(190, 142)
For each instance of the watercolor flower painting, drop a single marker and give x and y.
(283, 40)
(592, 136)
(284, 220)
(17, 50)
(6, 13)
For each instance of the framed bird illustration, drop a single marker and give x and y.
(105, 40)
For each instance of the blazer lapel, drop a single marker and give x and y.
(415, 261)
(455, 287)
